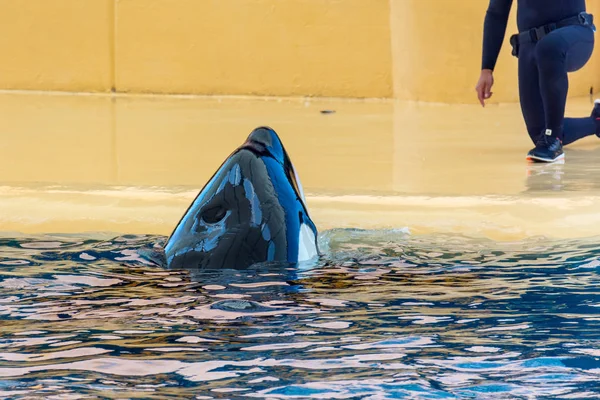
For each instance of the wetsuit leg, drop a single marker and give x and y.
(578, 128)
(532, 105)
(564, 50)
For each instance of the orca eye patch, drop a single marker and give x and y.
(213, 215)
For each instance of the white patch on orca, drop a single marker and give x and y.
(266, 232)
(307, 249)
(235, 175)
(255, 210)
(300, 189)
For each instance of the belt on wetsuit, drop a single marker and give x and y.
(536, 34)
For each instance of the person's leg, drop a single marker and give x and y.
(530, 98)
(578, 128)
(564, 50)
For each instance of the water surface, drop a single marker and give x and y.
(382, 315)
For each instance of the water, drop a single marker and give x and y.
(383, 315)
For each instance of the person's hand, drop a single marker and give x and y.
(484, 86)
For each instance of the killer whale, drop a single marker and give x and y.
(251, 211)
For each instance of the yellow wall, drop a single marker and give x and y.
(56, 44)
(437, 52)
(442, 60)
(267, 47)
(427, 50)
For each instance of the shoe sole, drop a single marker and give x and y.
(546, 160)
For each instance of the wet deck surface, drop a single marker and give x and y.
(133, 164)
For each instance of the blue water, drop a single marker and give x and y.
(384, 315)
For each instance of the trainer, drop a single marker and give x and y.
(555, 37)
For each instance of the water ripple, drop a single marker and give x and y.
(383, 315)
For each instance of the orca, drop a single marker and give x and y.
(251, 211)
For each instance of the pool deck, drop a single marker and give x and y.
(132, 164)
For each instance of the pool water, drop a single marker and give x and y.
(492, 292)
(382, 315)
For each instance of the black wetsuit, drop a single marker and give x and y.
(543, 66)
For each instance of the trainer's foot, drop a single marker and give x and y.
(547, 149)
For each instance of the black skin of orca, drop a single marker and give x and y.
(250, 212)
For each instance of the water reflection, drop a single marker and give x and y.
(383, 315)
(580, 172)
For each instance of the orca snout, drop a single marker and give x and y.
(263, 136)
(265, 139)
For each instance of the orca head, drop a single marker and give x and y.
(251, 211)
